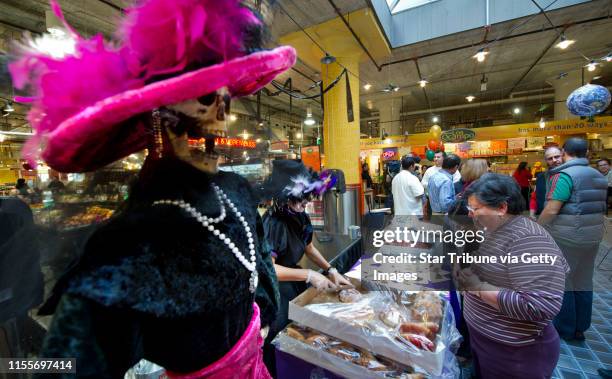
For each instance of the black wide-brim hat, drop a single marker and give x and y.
(291, 180)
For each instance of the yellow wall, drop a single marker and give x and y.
(8, 176)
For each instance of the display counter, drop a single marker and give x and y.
(339, 250)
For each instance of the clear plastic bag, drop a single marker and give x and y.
(413, 328)
(146, 370)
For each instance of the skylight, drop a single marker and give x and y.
(401, 5)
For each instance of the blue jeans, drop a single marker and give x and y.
(575, 313)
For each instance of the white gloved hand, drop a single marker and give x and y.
(337, 278)
(319, 282)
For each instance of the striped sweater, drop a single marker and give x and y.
(531, 294)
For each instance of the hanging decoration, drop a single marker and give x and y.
(430, 155)
(588, 100)
(435, 131)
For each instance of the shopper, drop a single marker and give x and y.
(574, 216)
(289, 232)
(407, 190)
(180, 276)
(365, 176)
(441, 188)
(522, 175)
(603, 165)
(509, 306)
(432, 170)
(553, 157)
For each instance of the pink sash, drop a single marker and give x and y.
(243, 361)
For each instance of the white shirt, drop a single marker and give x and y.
(433, 170)
(406, 189)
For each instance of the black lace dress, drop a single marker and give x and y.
(153, 283)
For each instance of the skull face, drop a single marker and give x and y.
(204, 117)
(209, 112)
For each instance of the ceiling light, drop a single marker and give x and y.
(298, 135)
(309, 121)
(542, 123)
(483, 83)
(470, 98)
(261, 123)
(245, 135)
(233, 117)
(367, 86)
(564, 42)
(390, 88)
(607, 58)
(516, 110)
(591, 66)
(435, 119)
(480, 55)
(423, 82)
(258, 140)
(8, 108)
(328, 59)
(2, 137)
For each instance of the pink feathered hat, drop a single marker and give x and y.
(85, 105)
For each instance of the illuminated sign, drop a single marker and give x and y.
(389, 154)
(458, 135)
(228, 142)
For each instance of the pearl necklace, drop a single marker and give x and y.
(208, 222)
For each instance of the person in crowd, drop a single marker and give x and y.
(289, 233)
(424, 169)
(553, 158)
(574, 216)
(432, 170)
(522, 175)
(603, 166)
(365, 176)
(509, 307)
(56, 185)
(181, 275)
(407, 190)
(22, 190)
(441, 187)
(471, 170)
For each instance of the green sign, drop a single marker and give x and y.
(458, 135)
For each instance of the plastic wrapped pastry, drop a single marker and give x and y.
(350, 295)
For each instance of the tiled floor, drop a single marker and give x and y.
(581, 359)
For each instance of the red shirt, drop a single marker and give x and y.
(522, 178)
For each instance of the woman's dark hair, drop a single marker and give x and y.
(363, 166)
(495, 189)
(576, 147)
(522, 166)
(20, 183)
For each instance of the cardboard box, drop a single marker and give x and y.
(431, 362)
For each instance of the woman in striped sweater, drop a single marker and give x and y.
(510, 303)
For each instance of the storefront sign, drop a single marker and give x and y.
(516, 143)
(535, 142)
(389, 154)
(377, 143)
(458, 135)
(230, 142)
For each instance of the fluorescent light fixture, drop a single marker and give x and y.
(309, 121)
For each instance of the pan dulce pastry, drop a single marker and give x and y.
(317, 340)
(350, 295)
(427, 329)
(356, 316)
(294, 333)
(392, 317)
(427, 306)
(419, 341)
